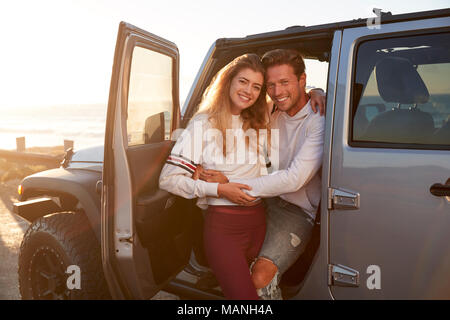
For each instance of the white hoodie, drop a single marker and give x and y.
(190, 151)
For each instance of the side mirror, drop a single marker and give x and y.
(154, 128)
(67, 157)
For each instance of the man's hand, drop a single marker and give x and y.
(213, 176)
(318, 99)
(232, 191)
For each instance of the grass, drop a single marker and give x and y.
(53, 151)
(10, 170)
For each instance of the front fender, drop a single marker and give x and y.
(75, 188)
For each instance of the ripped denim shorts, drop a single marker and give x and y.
(289, 230)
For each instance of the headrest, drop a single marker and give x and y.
(398, 81)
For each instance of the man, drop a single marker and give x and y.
(290, 217)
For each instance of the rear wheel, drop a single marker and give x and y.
(52, 244)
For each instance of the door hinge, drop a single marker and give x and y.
(343, 199)
(342, 276)
(128, 239)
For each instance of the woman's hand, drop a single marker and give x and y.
(209, 175)
(213, 176)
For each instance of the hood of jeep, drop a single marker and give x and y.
(87, 158)
(92, 154)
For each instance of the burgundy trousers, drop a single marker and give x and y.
(233, 236)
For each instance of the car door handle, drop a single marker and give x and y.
(440, 190)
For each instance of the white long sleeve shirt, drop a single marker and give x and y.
(198, 145)
(300, 158)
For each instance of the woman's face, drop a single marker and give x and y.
(245, 89)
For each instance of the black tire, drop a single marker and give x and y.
(50, 245)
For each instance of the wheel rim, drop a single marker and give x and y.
(47, 275)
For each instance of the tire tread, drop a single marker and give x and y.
(73, 233)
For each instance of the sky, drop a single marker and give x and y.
(61, 52)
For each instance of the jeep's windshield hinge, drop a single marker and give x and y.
(342, 276)
(343, 199)
(128, 239)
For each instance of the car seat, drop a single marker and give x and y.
(442, 135)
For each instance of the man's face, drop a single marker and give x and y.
(284, 88)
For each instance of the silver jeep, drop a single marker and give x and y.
(383, 231)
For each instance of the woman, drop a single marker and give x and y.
(233, 235)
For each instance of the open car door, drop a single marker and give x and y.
(146, 236)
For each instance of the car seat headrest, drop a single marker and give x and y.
(399, 82)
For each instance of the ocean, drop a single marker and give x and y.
(85, 124)
(50, 126)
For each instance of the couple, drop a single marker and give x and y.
(241, 230)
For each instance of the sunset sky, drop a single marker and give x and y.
(61, 52)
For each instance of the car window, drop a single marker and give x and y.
(150, 100)
(401, 92)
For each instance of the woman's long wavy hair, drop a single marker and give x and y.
(216, 100)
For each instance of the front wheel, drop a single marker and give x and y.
(52, 244)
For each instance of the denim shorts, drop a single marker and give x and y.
(289, 230)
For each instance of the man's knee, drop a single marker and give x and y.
(263, 271)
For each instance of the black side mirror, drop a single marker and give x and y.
(154, 128)
(67, 157)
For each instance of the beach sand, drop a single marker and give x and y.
(12, 229)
